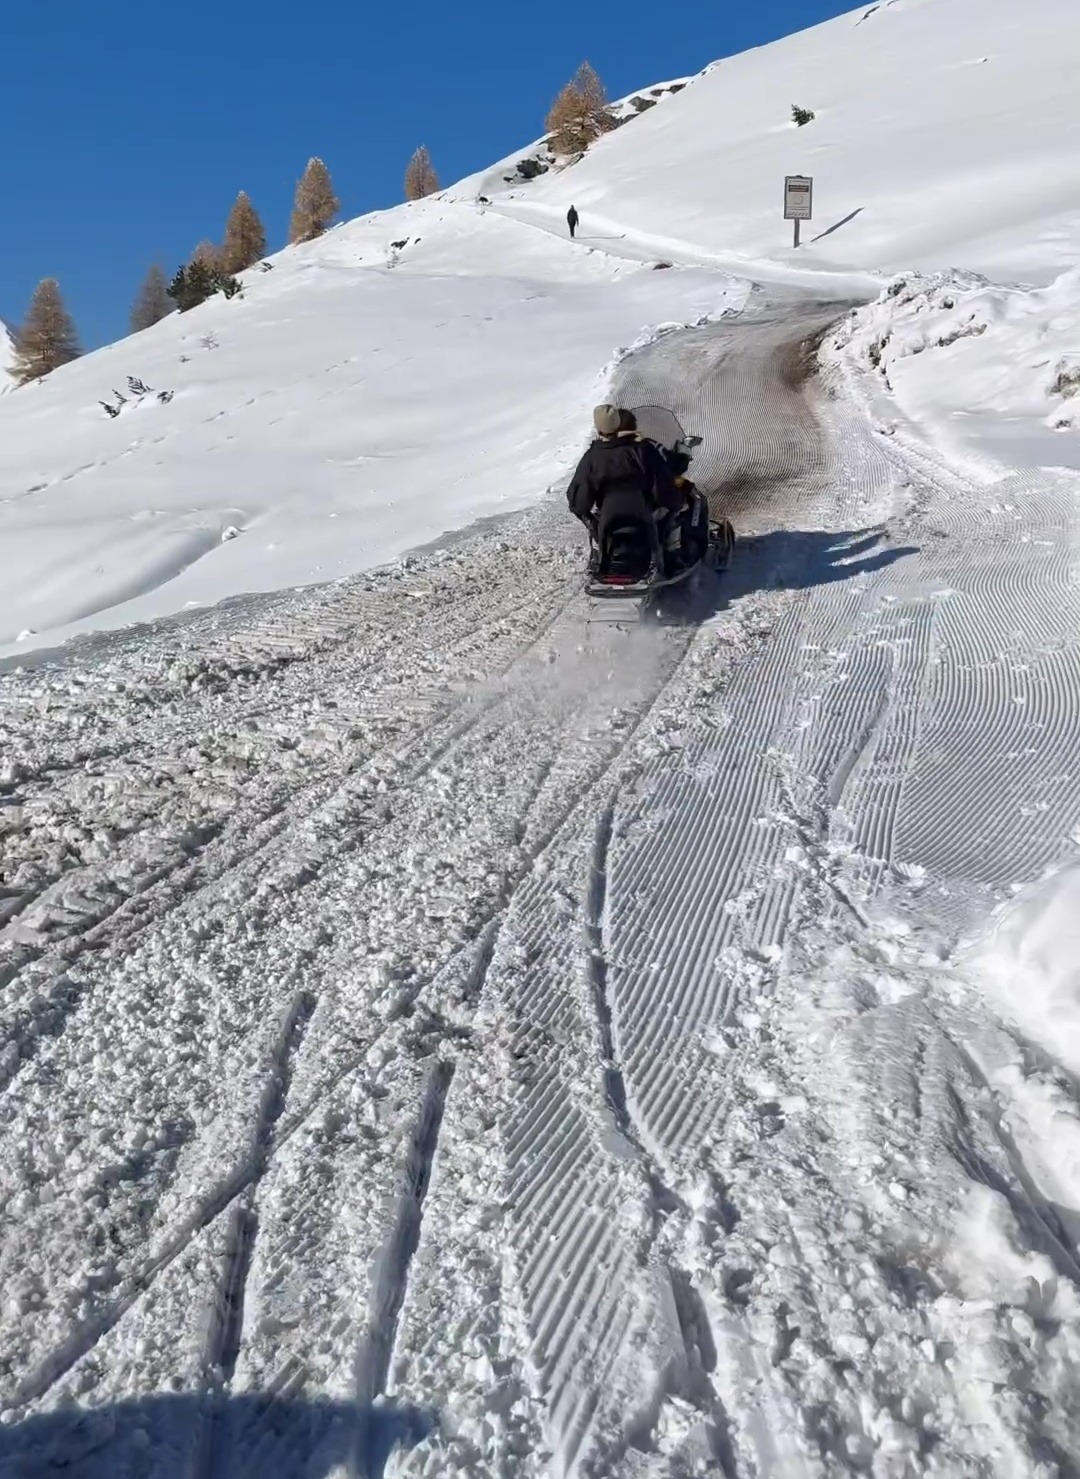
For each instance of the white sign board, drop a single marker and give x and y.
(798, 198)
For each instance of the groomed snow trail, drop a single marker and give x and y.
(448, 1038)
(752, 1191)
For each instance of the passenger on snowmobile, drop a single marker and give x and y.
(693, 518)
(619, 470)
(686, 535)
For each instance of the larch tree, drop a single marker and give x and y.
(593, 91)
(315, 204)
(245, 239)
(47, 338)
(580, 113)
(151, 301)
(563, 123)
(420, 176)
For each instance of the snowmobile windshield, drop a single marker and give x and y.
(658, 424)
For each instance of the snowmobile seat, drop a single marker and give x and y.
(626, 536)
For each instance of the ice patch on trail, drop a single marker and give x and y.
(1029, 962)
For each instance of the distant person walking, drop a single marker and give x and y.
(571, 221)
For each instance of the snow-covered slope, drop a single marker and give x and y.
(359, 400)
(946, 134)
(447, 1039)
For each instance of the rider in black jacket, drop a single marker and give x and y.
(618, 462)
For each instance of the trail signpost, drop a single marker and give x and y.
(798, 200)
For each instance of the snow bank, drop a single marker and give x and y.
(994, 371)
(945, 133)
(1029, 962)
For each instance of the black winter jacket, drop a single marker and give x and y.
(622, 463)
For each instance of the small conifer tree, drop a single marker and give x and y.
(590, 87)
(245, 239)
(197, 281)
(315, 204)
(47, 338)
(420, 176)
(207, 253)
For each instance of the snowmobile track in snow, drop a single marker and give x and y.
(233, 1198)
(194, 863)
(227, 1320)
(377, 1343)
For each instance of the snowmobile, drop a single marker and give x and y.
(632, 557)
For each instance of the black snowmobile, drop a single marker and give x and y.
(633, 556)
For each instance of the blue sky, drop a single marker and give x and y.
(128, 128)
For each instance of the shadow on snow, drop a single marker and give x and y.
(790, 560)
(800, 559)
(838, 224)
(175, 1437)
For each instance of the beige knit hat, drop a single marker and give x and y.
(606, 420)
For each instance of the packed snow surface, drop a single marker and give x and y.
(445, 1034)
